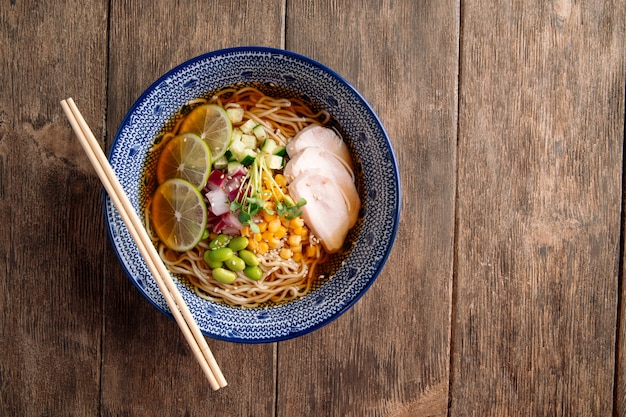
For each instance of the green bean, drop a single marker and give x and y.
(235, 263)
(220, 254)
(219, 242)
(224, 275)
(249, 257)
(238, 243)
(253, 272)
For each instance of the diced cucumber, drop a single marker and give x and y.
(248, 160)
(236, 134)
(221, 162)
(274, 161)
(248, 126)
(240, 148)
(236, 148)
(249, 141)
(259, 132)
(233, 167)
(235, 114)
(269, 146)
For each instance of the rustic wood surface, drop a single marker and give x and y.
(504, 294)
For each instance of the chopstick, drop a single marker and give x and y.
(166, 285)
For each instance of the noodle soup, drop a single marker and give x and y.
(276, 212)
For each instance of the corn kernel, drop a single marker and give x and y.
(280, 180)
(262, 226)
(258, 237)
(297, 256)
(274, 225)
(285, 253)
(297, 221)
(294, 240)
(267, 217)
(263, 248)
(280, 232)
(267, 235)
(245, 231)
(296, 248)
(310, 251)
(273, 243)
(253, 244)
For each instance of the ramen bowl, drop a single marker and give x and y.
(350, 272)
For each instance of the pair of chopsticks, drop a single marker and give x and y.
(172, 296)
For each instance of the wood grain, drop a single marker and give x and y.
(148, 369)
(402, 56)
(619, 393)
(539, 186)
(504, 294)
(52, 237)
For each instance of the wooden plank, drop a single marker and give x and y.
(389, 354)
(619, 395)
(52, 232)
(148, 369)
(541, 128)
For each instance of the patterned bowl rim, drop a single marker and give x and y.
(338, 78)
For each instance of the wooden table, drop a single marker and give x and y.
(503, 296)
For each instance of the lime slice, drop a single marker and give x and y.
(185, 156)
(211, 123)
(179, 214)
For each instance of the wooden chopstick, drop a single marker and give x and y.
(166, 285)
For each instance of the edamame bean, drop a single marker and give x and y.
(224, 275)
(248, 257)
(235, 263)
(219, 242)
(215, 264)
(238, 243)
(210, 262)
(220, 254)
(253, 272)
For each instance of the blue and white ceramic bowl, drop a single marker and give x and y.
(280, 71)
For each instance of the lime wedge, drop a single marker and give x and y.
(211, 123)
(179, 214)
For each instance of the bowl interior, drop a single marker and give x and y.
(279, 73)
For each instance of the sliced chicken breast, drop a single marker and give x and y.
(325, 211)
(322, 137)
(317, 159)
